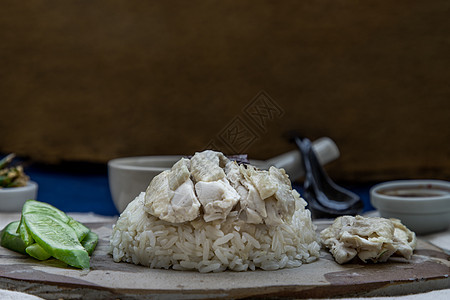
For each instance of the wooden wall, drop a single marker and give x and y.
(94, 80)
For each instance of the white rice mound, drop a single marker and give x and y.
(141, 238)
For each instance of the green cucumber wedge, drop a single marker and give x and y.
(9, 238)
(24, 234)
(57, 238)
(33, 206)
(90, 242)
(36, 251)
(81, 230)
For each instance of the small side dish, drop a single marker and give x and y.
(11, 176)
(422, 205)
(15, 186)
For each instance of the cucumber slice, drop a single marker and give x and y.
(9, 238)
(36, 251)
(90, 242)
(33, 206)
(24, 233)
(57, 238)
(81, 230)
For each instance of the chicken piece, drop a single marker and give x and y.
(206, 166)
(253, 208)
(235, 178)
(268, 197)
(404, 238)
(217, 199)
(260, 179)
(285, 198)
(274, 216)
(274, 188)
(367, 238)
(179, 174)
(171, 197)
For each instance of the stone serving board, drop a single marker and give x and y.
(428, 270)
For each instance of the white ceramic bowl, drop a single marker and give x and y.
(12, 199)
(422, 205)
(130, 176)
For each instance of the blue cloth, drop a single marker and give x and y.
(74, 191)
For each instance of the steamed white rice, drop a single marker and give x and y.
(141, 238)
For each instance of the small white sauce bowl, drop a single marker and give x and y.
(422, 205)
(12, 199)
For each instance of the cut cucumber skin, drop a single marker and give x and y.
(24, 233)
(81, 230)
(36, 251)
(90, 242)
(34, 206)
(61, 242)
(10, 239)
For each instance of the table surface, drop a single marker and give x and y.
(426, 271)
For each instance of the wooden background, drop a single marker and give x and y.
(94, 80)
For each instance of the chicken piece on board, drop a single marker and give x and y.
(368, 238)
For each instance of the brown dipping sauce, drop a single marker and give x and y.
(416, 191)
